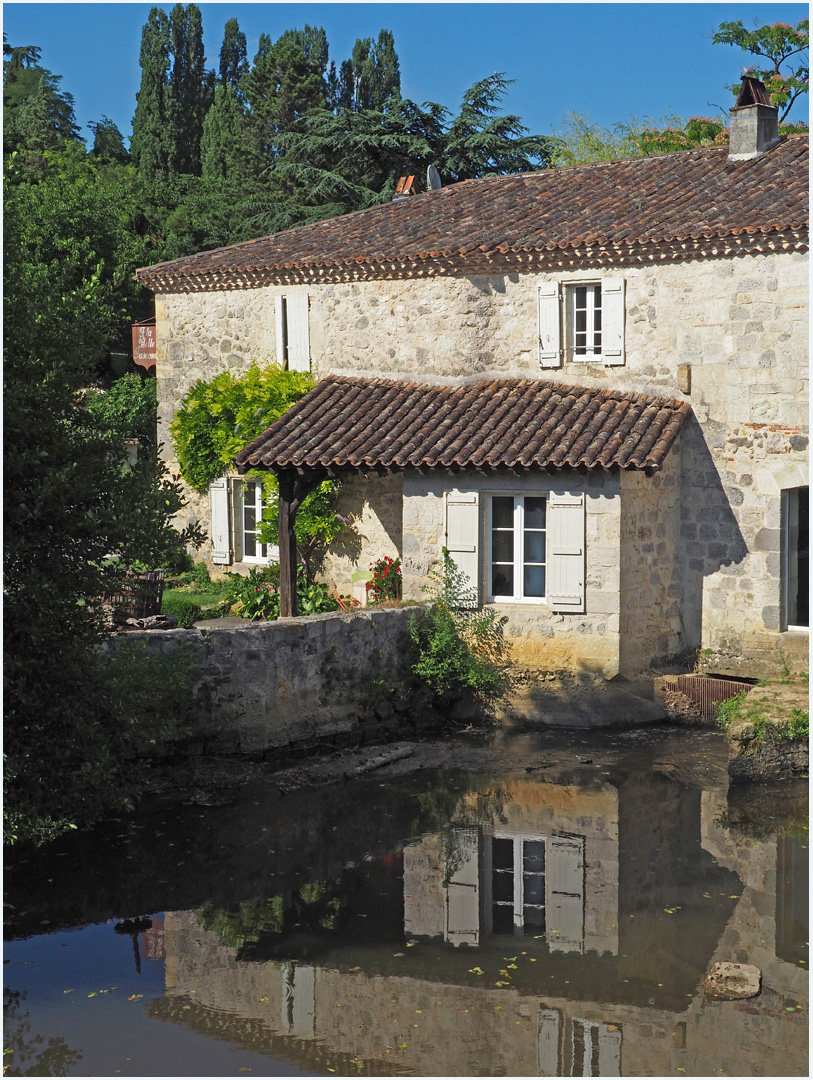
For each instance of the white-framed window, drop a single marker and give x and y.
(523, 548)
(796, 558)
(293, 331)
(236, 509)
(581, 322)
(537, 887)
(517, 533)
(250, 508)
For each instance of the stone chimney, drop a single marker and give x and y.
(754, 122)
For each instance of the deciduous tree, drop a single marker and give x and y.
(779, 44)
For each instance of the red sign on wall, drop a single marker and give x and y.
(144, 345)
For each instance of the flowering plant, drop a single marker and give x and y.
(386, 583)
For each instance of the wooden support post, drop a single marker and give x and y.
(291, 496)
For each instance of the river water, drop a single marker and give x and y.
(540, 905)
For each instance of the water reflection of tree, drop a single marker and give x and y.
(464, 800)
(27, 1054)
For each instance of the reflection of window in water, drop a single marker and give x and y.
(573, 1047)
(537, 887)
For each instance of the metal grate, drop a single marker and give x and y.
(707, 693)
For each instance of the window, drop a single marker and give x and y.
(517, 547)
(250, 503)
(591, 329)
(236, 508)
(293, 332)
(517, 885)
(537, 887)
(796, 558)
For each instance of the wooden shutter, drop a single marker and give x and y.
(566, 566)
(565, 917)
(550, 326)
(463, 532)
(299, 342)
(612, 321)
(463, 890)
(219, 520)
(547, 1059)
(280, 304)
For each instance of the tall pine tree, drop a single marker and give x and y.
(150, 144)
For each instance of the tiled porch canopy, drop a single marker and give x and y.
(350, 425)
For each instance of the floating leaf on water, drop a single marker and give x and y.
(476, 971)
(93, 994)
(67, 991)
(135, 997)
(399, 954)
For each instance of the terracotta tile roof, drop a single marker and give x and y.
(666, 198)
(349, 424)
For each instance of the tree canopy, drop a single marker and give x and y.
(779, 44)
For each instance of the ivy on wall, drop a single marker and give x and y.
(219, 417)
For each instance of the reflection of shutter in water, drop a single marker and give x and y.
(547, 1052)
(298, 1001)
(462, 892)
(566, 893)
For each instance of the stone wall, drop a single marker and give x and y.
(651, 624)
(270, 685)
(727, 334)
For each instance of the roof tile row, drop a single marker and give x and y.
(349, 424)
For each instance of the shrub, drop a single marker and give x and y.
(460, 647)
(185, 610)
(386, 583)
(258, 594)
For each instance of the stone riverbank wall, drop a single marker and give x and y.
(293, 682)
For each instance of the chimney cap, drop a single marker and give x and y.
(752, 92)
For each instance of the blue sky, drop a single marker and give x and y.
(609, 61)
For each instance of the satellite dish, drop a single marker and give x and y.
(433, 181)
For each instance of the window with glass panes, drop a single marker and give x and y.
(586, 320)
(518, 530)
(254, 550)
(517, 885)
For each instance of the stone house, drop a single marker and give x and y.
(589, 384)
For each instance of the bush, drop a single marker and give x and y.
(386, 583)
(185, 610)
(258, 594)
(461, 648)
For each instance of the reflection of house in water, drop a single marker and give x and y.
(565, 933)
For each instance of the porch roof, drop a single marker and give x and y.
(347, 425)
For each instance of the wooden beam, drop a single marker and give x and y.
(292, 493)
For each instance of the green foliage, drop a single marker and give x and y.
(386, 583)
(257, 594)
(460, 647)
(730, 710)
(72, 498)
(777, 43)
(235, 927)
(219, 417)
(186, 610)
(108, 142)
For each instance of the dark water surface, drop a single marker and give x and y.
(549, 907)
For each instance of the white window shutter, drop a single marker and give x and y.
(463, 890)
(299, 343)
(565, 920)
(219, 520)
(566, 565)
(282, 344)
(612, 321)
(548, 1043)
(550, 326)
(463, 532)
